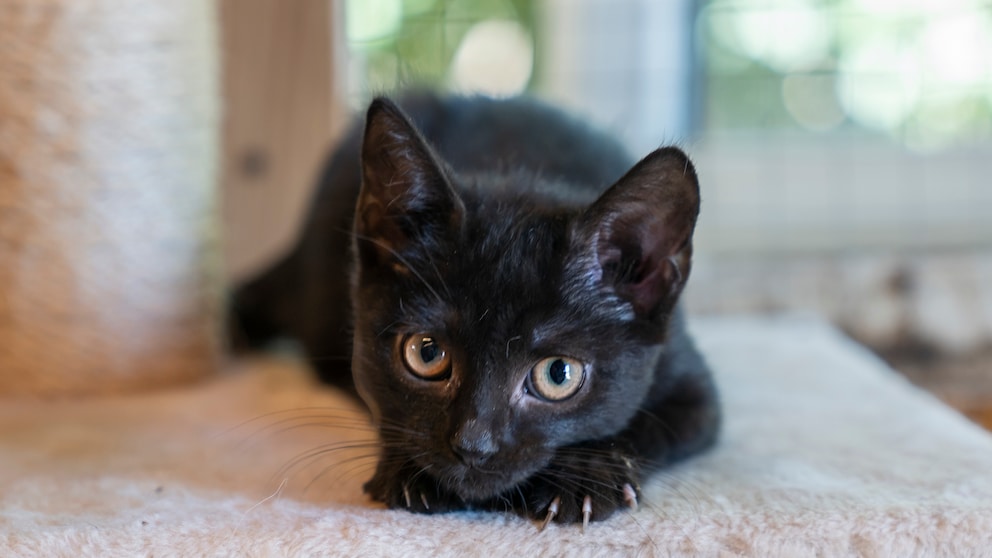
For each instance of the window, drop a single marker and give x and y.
(846, 124)
(819, 125)
(918, 73)
(468, 45)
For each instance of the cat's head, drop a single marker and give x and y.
(492, 329)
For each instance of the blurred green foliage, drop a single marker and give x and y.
(413, 42)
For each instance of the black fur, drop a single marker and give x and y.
(508, 233)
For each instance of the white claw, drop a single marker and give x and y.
(423, 499)
(552, 512)
(586, 512)
(406, 495)
(630, 496)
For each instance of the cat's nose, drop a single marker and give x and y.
(473, 445)
(473, 455)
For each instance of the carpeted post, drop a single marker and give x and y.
(108, 160)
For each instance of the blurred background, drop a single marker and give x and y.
(844, 146)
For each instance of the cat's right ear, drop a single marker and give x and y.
(406, 195)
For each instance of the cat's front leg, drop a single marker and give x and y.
(591, 480)
(401, 484)
(583, 482)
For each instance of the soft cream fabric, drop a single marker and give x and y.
(825, 453)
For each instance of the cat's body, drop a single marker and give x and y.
(513, 330)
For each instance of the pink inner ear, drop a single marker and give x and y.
(662, 256)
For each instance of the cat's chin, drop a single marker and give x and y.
(477, 485)
(480, 489)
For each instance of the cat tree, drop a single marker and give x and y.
(108, 241)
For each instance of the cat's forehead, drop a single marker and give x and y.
(511, 244)
(506, 262)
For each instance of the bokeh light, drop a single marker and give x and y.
(484, 46)
(879, 83)
(787, 35)
(369, 20)
(495, 57)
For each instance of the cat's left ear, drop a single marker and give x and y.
(406, 195)
(639, 232)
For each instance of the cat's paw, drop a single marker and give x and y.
(582, 484)
(407, 490)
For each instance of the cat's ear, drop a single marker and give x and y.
(639, 232)
(406, 194)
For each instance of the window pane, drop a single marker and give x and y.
(462, 45)
(916, 72)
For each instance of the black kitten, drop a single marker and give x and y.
(509, 317)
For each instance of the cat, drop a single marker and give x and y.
(499, 283)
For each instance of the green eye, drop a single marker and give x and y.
(425, 358)
(557, 378)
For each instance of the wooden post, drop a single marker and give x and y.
(108, 237)
(283, 107)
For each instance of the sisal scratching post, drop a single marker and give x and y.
(108, 241)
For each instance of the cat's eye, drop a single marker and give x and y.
(557, 378)
(425, 357)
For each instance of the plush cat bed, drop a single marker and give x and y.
(825, 452)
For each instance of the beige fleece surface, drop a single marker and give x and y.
(825, 452)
